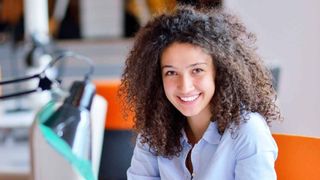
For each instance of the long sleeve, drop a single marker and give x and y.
(144, 165)
(256, 151)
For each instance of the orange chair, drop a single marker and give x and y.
(114, 119)
(298, 158)
(117, 144)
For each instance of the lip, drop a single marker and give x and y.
(189, 99)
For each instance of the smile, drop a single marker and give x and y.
(190, 98)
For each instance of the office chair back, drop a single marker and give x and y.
(298, 158)
(114, 119)
(117, 145)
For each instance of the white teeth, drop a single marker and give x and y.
(188, 99)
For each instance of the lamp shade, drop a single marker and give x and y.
(71, 121)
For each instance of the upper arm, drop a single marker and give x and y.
(144, 164)
(256, 151)
(260, 165)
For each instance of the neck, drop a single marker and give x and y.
(196, 127)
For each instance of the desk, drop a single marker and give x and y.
(14, 154)
(17, 119)
(15, 159)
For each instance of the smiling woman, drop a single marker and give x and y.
(202, 99)
(188, 81)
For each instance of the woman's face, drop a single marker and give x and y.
(188, 77)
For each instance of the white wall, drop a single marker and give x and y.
(288, 33)
(101, 18)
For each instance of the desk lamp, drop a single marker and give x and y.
(62, 145)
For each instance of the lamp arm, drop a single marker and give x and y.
(45, 83)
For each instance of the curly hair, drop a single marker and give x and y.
(243, 83)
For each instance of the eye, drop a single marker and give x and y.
(170, 73)
(197, 70)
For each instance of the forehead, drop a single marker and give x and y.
(184, 54)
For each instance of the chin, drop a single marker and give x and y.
(189, 114)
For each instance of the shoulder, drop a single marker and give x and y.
(142, 146)
(143, 163)
(252, 135)
(255, 124)
(254, 148)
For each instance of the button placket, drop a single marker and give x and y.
(195, 157)
(186, 152)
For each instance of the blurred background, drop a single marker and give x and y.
(288, 39)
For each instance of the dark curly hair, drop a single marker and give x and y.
(243, 83)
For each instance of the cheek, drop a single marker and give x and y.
(207, 84)
(168, 87)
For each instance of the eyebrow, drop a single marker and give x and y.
(191, 65)
(196, 64)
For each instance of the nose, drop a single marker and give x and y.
(185, 84)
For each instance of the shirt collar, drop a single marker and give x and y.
(184, 138)
(211, 135)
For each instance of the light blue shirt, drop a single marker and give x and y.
(247, 154)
